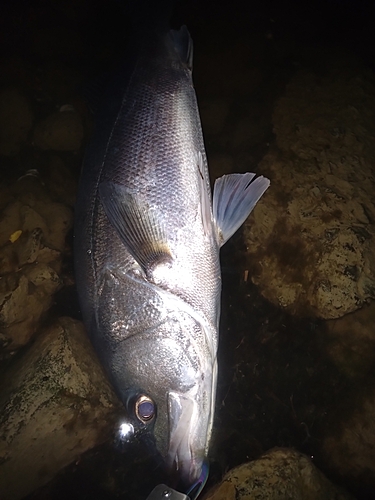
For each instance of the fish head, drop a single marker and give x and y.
(166, 378)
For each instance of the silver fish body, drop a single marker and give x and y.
(147, 241)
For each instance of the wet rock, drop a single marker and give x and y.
(44, 277)
(351, 343)
(32, 241)
(50, 256)
(347, 449)
(348, 436)
(31, 206)
(22, 305)
(28, 245)
(55, 404)
(58, 221)
(312, 241)
(61, 131)
(26, 249)
(16, 118)
(33, 223)
(10, 221)
(280, 473)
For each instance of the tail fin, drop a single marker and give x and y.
(235, 195)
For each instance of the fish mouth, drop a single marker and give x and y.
(190, 431)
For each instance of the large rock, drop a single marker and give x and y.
(55, 403)
(312, 240)
(278, 474)
(347, 449)
(348, 436)
(26, 205)
(32, 242)
(21, 308)
(350, 343)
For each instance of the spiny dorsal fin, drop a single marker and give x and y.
(183, 44)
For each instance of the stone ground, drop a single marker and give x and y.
(284, 91)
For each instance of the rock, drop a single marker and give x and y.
(28, 245)
(312, 242)
(347, 449)
(53, 219)
(55, 404)
(34, 234)
(16, 118)
(22, 306)
(50, 256)
(44, 277)
(23, 250)
(61, 131)
(32, 238)
(32, 218)
(58, 218)
(280, 473)
(32, 207)
(348, 436)
(351, 343)
(10, 221)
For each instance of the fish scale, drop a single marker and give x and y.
(147, 247)
(158, 163)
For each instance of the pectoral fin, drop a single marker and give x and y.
(235, 195)
(137, 225)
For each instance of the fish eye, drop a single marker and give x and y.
(145, 409)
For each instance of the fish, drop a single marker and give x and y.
(148, 233)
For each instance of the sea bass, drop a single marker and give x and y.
(147, 241)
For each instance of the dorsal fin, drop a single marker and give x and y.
(183, 44)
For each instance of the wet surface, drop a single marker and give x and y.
(277, 384)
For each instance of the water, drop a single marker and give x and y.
(279, 383)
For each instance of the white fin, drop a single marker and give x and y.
(235, 195)
(204, 195)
